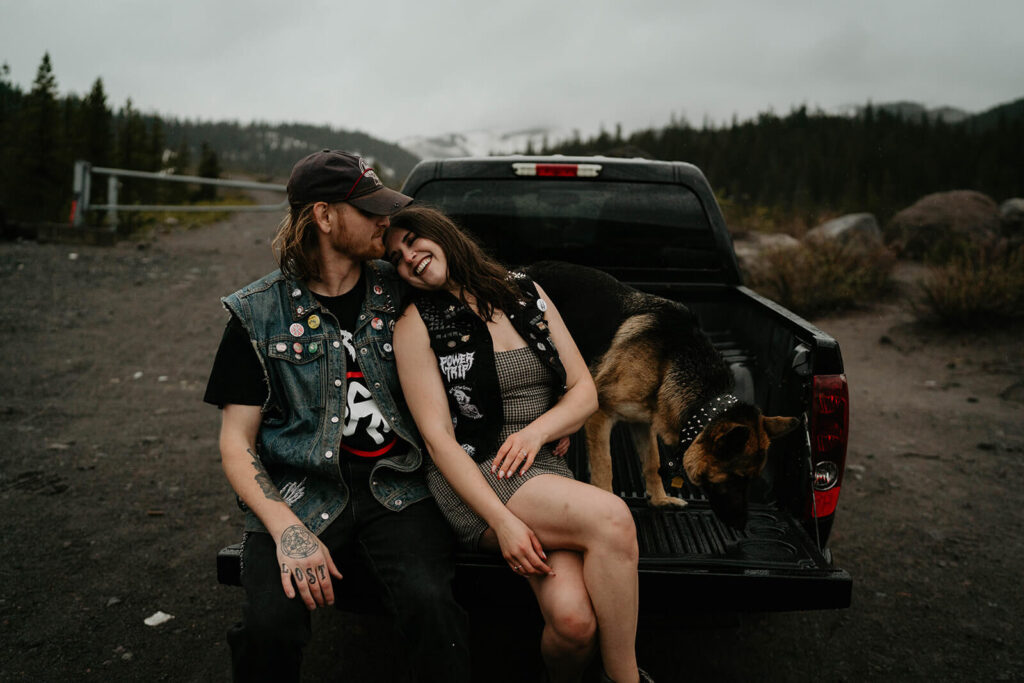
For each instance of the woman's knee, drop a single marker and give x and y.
(575, 627)
(615, 527)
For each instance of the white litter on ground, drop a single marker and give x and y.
(157, 618)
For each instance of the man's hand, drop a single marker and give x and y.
(305, 561)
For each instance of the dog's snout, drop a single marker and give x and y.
(729, 501)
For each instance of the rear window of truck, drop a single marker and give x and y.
(607, 225)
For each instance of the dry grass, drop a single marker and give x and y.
(753, 218)
(824, 278)
(978, 287)
(144, 224)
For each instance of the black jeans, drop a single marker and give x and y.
(408, 557)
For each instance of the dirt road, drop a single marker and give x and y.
(113, 503)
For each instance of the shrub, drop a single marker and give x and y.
(824, 277)
(978, 287)
(748, 217)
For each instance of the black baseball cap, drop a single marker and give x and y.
(335, 176)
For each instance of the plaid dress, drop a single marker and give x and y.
(527, 392)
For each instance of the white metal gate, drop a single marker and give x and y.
(84, 171)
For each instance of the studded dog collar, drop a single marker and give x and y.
(703, 417)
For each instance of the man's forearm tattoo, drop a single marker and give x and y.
(298, 542)
(263, 479)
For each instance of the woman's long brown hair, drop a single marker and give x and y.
(469, 266)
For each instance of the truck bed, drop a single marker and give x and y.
(773, 564)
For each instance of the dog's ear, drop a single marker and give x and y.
(731, 443)
(777, 426)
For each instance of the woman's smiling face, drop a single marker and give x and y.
(418, 260)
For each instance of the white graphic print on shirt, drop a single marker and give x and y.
(366, 432)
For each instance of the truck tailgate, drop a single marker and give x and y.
(691, 561)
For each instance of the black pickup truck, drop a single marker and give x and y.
(657, 227)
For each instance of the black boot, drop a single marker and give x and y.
(644, 677)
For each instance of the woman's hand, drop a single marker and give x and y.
(517, 453)
(521, 548)
(562, 447)
(305, 560)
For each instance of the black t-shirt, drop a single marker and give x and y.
(237, 377)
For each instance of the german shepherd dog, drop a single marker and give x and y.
(655, 368)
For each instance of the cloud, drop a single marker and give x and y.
(401, 67)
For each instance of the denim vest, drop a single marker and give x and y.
(465, 356)
(304, 364)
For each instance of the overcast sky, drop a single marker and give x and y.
(418, 67)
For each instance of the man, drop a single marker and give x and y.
(316, 440)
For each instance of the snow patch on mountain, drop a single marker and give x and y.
(483, 142)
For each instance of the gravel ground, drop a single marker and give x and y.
(114, 505)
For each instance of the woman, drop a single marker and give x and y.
(486, 402)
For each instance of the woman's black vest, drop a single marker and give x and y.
(465, 356)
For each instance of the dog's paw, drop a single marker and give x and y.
(665, 501)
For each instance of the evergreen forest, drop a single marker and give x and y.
(879, 160)
(44, 133)
(805, 163)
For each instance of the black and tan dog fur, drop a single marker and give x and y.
(653, 368)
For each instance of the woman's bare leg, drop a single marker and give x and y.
(570, 625)
(570, 515)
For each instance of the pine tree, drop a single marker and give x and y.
(181, 162)
(130, 152)
(209, 167)
(96, 124)
(11, 102)
(39, 141)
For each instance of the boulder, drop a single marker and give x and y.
(942, 224)
(855, 230)
(751, 245)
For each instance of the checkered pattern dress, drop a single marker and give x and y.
(527, 392)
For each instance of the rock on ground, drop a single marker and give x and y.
(855, 230)
(941, 223)
(750, 246)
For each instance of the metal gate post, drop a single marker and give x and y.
(112, 202)
(81, 193)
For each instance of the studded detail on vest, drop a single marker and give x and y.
(465, 357)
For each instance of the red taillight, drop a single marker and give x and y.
(556, 170)
(830, 420)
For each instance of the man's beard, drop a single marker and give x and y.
(361, 251)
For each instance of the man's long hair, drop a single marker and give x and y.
(468, 265)
(296, 247)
